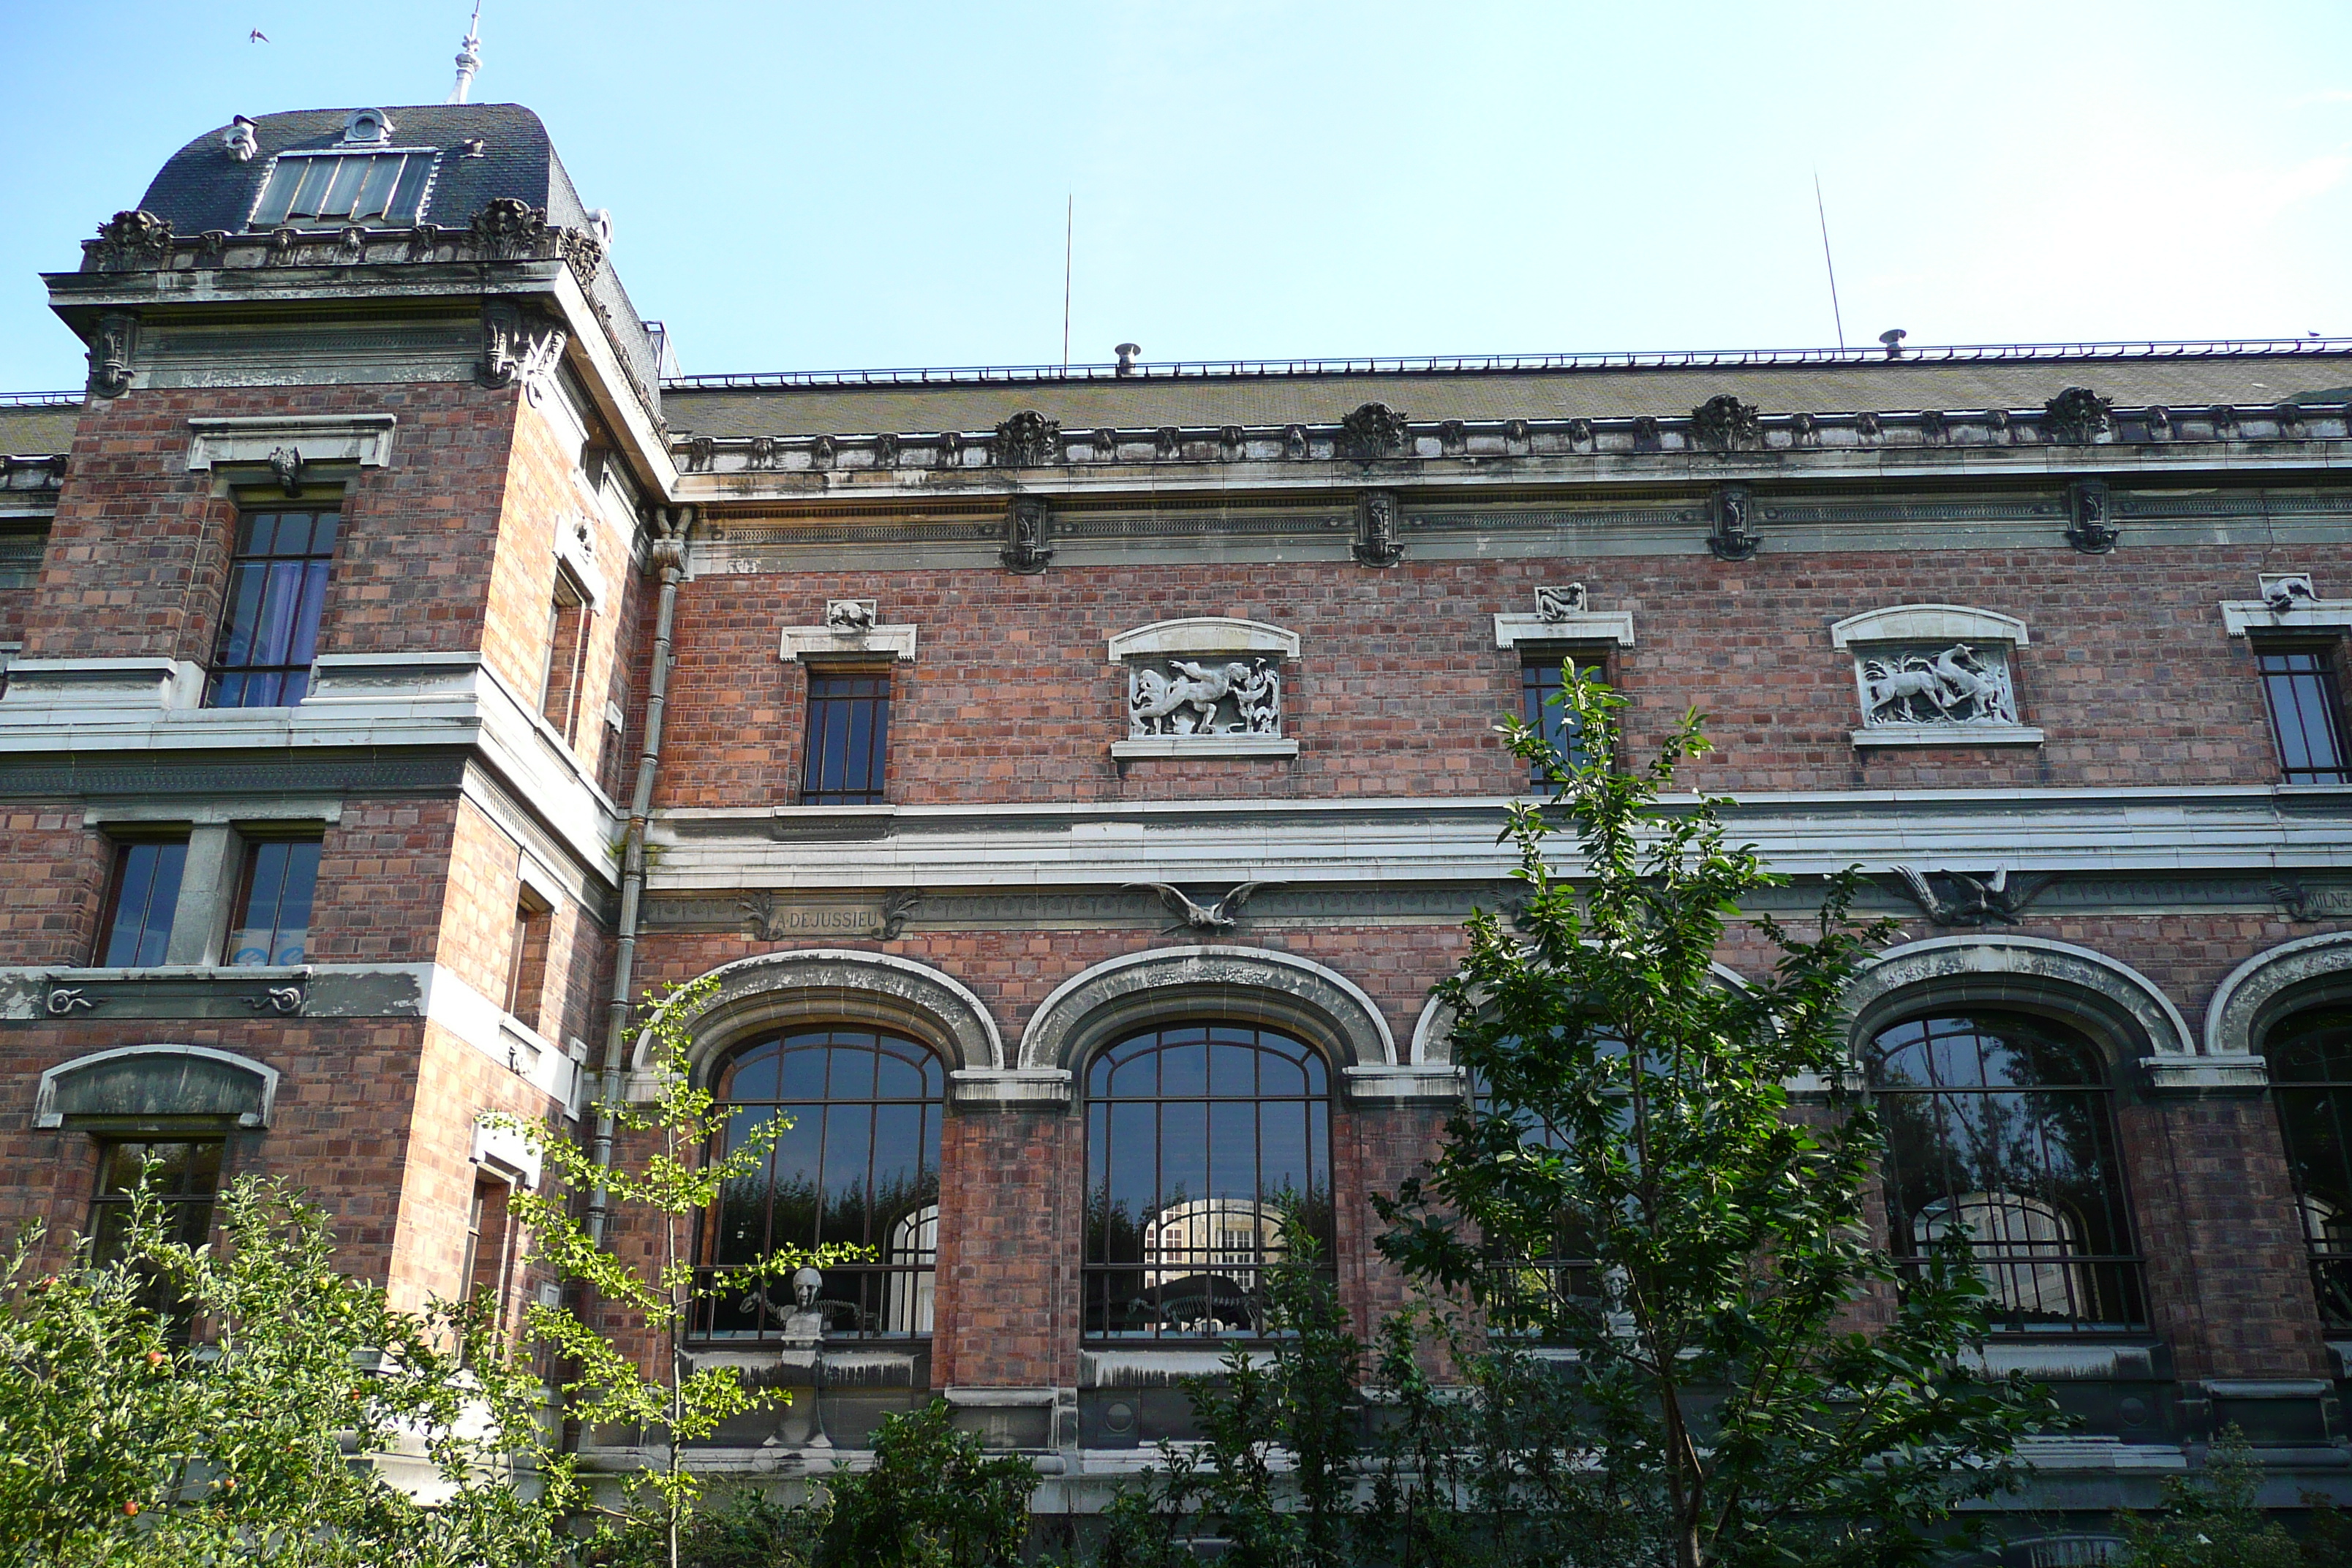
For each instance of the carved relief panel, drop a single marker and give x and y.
(1936, 675)
(1206, 686)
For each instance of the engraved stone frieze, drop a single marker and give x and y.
(1957, 686)
(1179, 697)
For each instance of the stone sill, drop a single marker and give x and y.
(1953, 735)
(1204, 746)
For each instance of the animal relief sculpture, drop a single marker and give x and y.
(1188, 699)
(1957, 686)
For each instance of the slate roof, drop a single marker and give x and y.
(2190, 376)
(37, 431)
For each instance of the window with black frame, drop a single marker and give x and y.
(848, 740)
(269, 623)
(1543, 704)
(2000, 1128)
(1208, 1155)
(142, 894)
(858, 1166)
(181, 1176)
(2307, 706)
(2310, 1058)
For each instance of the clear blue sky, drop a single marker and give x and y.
(800, 186)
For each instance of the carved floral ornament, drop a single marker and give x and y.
(1936, 675)
(1206, 686)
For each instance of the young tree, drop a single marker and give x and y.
(1635, 1185)
(683, 1175)
(185, 1406)
(934, 1499)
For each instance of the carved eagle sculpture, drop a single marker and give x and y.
(1977, 901)
(1223, 915)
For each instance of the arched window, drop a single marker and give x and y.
(2001, 1125)
(1208, 1150)
(860, 1165)
(2310, 1057)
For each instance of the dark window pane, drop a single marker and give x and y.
(146, 888)
(2001, 1129)
(1206, 1148)
(182, 1178)
(274, 920)
(2307, 707)
(1541, 705)
(858, 1165)
(269, 617)
(849, 739)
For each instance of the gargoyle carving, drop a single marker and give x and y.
(1223, 914)
(2088, 507)
(1027, 440)
(1374, 430)
(2076, 416)
(1974, 900)
(2288, 589)
(516, 347)
(285, 462)
(1729, 507)
(1723, 424)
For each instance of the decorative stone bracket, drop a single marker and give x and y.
(1564, 615)
(2290, 602)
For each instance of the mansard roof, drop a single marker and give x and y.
(1534, 387)
(38, 425)
(204, 188)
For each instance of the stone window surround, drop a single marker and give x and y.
(1216, 636)
(356, 440)
(1928, 623)
(208, 878)
(48, 1114)
(843, 637)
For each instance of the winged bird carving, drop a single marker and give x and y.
(1976, 900)
(1222, 915)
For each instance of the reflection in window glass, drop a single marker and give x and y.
(2002, 1125)
(273, 924)
(849, 739)
(2310, 1058)
(146, 888)
(860, 1165)
(1207, 1146)
(269, 627)
(343, 188)
(1545, 709)
(185, 1178)
(2306, 712)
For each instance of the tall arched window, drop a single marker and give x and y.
(2310, 1058)
(2001, 1125)
(860, 1165)
(1207, 1152)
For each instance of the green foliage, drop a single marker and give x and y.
(750, 1529)
(934, 1499)
(1636, 1113)
(128, 1441)
(2209, 1519)
(680, 1180)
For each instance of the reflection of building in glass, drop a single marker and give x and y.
(1211, 1235)
(909, 1288)
(2019, 1232)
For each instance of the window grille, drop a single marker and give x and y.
(312, 188)
(140, 897)
(2001, 1125)
(269, 627)
(2307, 706)
(860, 1165)
(1545, 707)
(2310, 1058)
(273, 905)
(1208, 1150)
(848, 738)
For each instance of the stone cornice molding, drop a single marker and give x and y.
(1267, 986)
(1202, 635)
(1930, 623)
(362, 440)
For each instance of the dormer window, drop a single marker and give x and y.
(369, 126)
(314, 189)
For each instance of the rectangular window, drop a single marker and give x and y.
(486, 1266)
(140, 897)
(560, 677)
(185, 1178)
(269, 625)
(273, 901)
(1540, 696)
(343, 188)
(2307, 707)
(527, 963)
(848, 738)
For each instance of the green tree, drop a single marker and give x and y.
(198, 1406)
(2210, 1519)
(1751, 1372)
(683, 1172)
(934, 1499)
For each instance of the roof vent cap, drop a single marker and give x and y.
(1127, 352)
(1892, 337)
(367, 127)
(238, 139)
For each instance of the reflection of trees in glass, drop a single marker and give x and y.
(1208, 1157)
(858, 1166)
(2001, 1123)
(2310, 1058)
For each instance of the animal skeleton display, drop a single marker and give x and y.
(1188, 699)
(1952, 686)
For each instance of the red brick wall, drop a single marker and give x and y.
(1399, 682)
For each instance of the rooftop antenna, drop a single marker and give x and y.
(1835, 314)
(469, 57)
(1069, 241)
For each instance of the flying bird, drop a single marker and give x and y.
(256, 36)
(1223, 915)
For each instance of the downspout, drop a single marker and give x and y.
(669, 553)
